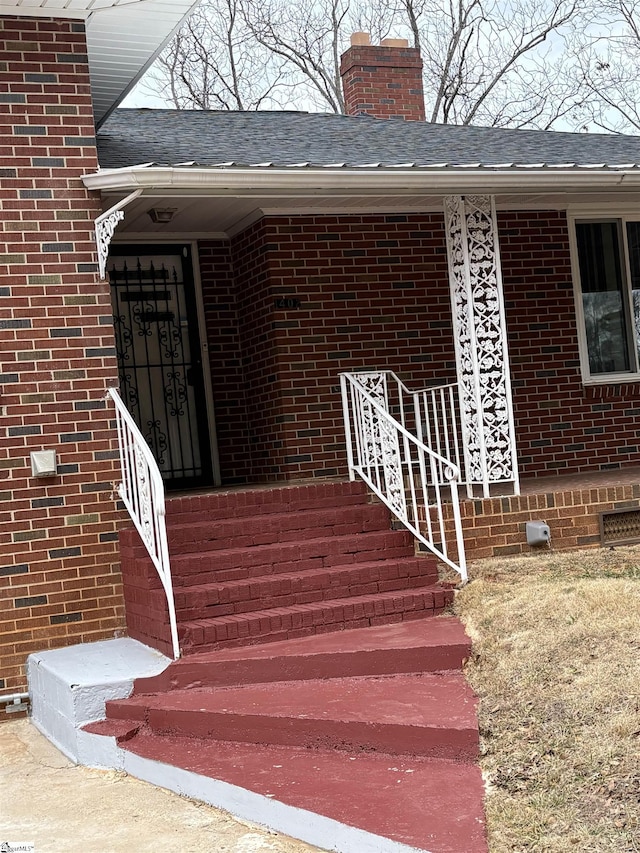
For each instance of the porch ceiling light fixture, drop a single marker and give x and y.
(162, 215)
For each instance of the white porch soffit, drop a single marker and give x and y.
(123, 38)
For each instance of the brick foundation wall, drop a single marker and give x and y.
(59, 566)
(373, 292)
(496, 527)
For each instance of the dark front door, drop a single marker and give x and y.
(159, 358)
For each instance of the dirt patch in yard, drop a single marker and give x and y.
(557, 667)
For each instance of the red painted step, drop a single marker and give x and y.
(302, 587)
(427, 805)
(267, 564)
(425, 645)
(371, 730)
(301, 620)
(306, 553)
(431, 715)
(258, 500)
(270, 528)
(262, 503)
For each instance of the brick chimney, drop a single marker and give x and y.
(383, 80)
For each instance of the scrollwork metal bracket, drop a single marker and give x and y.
(105, 226)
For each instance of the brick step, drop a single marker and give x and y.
(424, 645)
(431, 715)
(272, 528)
(257, 502)
(289, 588)
(302, 620)
(230, 564)
(262, 565)
(266, 500)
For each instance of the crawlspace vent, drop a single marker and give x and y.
(620, 527)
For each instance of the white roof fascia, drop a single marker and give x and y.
(273, 181)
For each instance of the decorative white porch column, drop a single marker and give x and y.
(479, 328)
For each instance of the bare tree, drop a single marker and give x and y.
(305, 36)
(608, 55)
(490, 62)
(214, 63)
(310, 37)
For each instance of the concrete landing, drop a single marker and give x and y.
(70, 686)
(63, 808)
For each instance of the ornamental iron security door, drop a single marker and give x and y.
(159, 364)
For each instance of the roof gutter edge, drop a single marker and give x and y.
(220, 181)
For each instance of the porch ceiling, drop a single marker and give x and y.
(202, 216)
(209, 216)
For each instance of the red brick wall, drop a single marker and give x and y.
(225, 360)
(58, 565)
(561, 424)
(373, 293)
(266, 396)
(385, 82)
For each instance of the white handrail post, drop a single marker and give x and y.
(142, 492)
(347, 425)
(457, 521)
(167, 581)
(393, 461)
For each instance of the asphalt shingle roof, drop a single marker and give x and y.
(171, 137)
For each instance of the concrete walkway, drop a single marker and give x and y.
(63, 808)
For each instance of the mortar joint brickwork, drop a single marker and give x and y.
(63, 580)
(383, 81)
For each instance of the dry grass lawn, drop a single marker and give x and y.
(557, 668)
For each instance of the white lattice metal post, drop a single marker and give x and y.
(481, 342)
(380, 444)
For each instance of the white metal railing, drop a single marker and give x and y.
(142, 492)
(435, 414)
(389, 447)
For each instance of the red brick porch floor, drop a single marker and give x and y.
(570, 504)
(570, 482)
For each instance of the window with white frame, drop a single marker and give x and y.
(608, 257)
